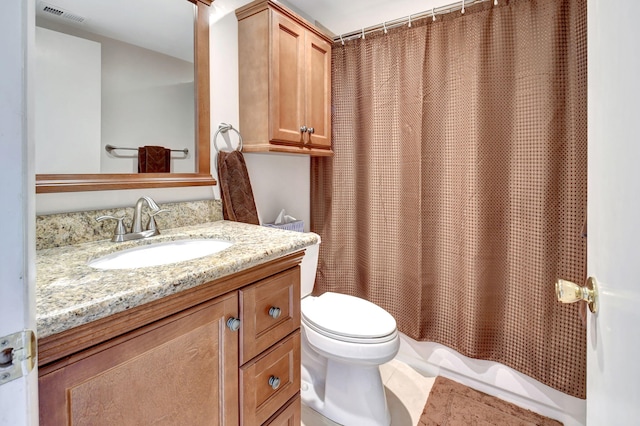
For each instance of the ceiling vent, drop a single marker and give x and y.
(50, 9)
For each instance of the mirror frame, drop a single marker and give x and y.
(48, 183)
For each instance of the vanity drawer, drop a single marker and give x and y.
(269, 311)
(261, 396)
(289, 415)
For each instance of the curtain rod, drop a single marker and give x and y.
(387, 25)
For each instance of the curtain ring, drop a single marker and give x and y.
(341, 40)
(409, 21)
(495, 2)
(363, 33)
(462, 11)
(384, 25)
(433, 15)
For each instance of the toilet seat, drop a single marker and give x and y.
(348, 319)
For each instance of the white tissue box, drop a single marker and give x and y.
(297, 225)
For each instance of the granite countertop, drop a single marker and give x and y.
(70, 293)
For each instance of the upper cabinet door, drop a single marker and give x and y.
(285, 81)
(318, 91)
(286, 97)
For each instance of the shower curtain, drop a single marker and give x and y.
(457, 192)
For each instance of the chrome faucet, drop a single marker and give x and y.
(120, 234)
(136, 224)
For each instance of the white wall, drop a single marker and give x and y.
(79, 201)
(95, 200)
(68, 103)
(279, 181)
(147, 99)
(144, 98)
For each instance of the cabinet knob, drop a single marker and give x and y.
(274, 382)
(303, 129)
(310, 130)
(233, 324)
(274, 312)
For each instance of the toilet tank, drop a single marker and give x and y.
(308, 269)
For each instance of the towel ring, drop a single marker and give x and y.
(224, 128)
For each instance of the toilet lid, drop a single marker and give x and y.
(347, 316)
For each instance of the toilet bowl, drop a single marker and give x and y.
(344, 341)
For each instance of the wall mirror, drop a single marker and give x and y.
(114, 76)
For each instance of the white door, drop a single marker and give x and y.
(18, 398)
(613, 345)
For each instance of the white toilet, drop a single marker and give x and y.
(344, 340)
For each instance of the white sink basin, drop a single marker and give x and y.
(160, 254)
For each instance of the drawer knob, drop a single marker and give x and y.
(310, 130)
(274, 312)
(233, 324)
(274, 382)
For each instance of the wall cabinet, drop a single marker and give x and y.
(285, 81)
(189, 367)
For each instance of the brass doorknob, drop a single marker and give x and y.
(568, 292)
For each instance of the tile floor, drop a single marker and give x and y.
(407, 392)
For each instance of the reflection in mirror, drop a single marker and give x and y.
(117, 72)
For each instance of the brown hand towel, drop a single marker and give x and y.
(154, 159)
(235, 188)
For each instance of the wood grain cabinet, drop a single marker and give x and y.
(189, 367)
(285, 81)
(289, 415)
(269, 373)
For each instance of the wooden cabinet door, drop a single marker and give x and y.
(180, 370)
(286, 97)
(318, 90)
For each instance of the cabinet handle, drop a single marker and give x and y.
(233, 324)
(119, 231)
(303, 129)
(274, 312)
(274, 382)
(310, 130)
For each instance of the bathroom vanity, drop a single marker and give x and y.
(213, 340)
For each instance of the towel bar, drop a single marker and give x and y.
(110, 148)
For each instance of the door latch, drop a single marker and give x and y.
(18, 354)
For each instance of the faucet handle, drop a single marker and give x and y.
(119, 231)
(151, 226)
